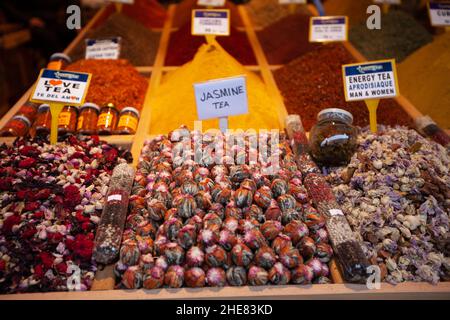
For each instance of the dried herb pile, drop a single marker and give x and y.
(314, 82)
(265, 12)
(149, 13)
(355, 10)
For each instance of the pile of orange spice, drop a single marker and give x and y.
(113, 81)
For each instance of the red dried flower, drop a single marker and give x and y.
(6, 183)
(10, 222)
(27, 163)
(29, 151)
(83, 246)
(31, 206)
(61, 267)
(47, 259)
(72, 196)
(39, 271)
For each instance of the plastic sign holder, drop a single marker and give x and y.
(439, 13)
(370, 81)
(210, 23)
(328, 29)
(59, 88)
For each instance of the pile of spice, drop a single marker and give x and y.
(183, 46)
(51, 198)
(149, 13)
(424, 78)
(399, 36)
(277, 41)
(395, 193)
(174, 103)
(138, 44)
(113, 81)
(354, 10)
(199, 224)
(314, 82)
(265, 12)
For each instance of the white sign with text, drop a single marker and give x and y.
(103, 48)
(211, 3)
(327, 29)
(439, 13)
(211, 22)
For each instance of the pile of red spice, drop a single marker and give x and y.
(115, 81)
(183, 46)
(287, 39)
(150, 13)
(314, 82)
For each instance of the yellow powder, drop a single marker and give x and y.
(424, 78)
(174, 103)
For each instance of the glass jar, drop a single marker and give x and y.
(58, 61)
(18, 126)
(128, 121)
(43, 123)
(333, 140)
(67, 120)
(87, 120)
(107, 120)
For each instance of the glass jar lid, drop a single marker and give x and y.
(130, 109)
(60, 56)
(335, 114)
(43, 107)
(22, 118)
(90, 105)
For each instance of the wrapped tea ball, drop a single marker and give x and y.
(270, 229)
(324, 252)
(239, 173)
(279, 274)
(312, 218)
(207, 237)
(171, 227)
(322, 280)
(130, 253)
(303, 274)
(161, 262)
(227, 239)
(206, 185)
(159, 243)
(254, 239)
(307, 247)
(254, 212)
(164, 196)
(236, 276)
(132, 278)
(316, 266)
(211, 219)
(231, 224)
(153, 278)
(187, 236)
(273, 212)
(219, 170)
(196, 221)
(134, 221)
(257, 276)
(243, 197)
(189, 187)
(194, 277)
(216, 256)
(280, 242)
(231, 211)
(145, 244)
(290, 215)
(290, 257)
(241, 255)
(325, 270)
(146, 230)
(319, 235)
(286, 201)
(200, 174)
(247, 224)
(249, 184)
(156, 209)
(296, 230)
(215, 277)
(146, 261)
(221, 194)
(128, 235)
(263, 197)
(174, 277)
(171, 213)
(119, 269)
(195, 257)
(265, 257)
(186, 205)
(174, 253)
(299, 192)
(203, 200)
(218, 210)
(279, 187)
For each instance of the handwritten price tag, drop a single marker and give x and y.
(211, 22)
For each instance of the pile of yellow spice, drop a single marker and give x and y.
(174, 102)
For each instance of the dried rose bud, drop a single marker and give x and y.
(296, 230)
(243, 197)
(216, 256)
(130, 253)
(322, 280)
(279, 274)
(203, 200)
(236, 276)
(270, 229)
(187, 236)
(312, 218)
(171, 228)
(146, 261)
(148, 229)
(174, 253)
(153, 278)
(174, 277)
(290, 257)
(254, 212)
(307, 247)
(207, 237)
(316, 266)
(241, 255)
(254, 239)
(156, 209)
(186, 205)
(132, 278)
(227, 239)
(263, 197)
(273, 212)
(257, 276)
(303, 274)
(231, 224)
(265, 257)
(286, 201)
(221, 195)
(195, 257)
(280, 242)
(194, 277)
(324, 252)
(279, 187)
(215, 277)
(290, 215)
(145, 244)
(319, 235)
(161, 262)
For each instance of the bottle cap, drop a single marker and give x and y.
(24, 119)
(335, 113)
(43, 107)
(60, 56)
(131, 109)
(90, 105)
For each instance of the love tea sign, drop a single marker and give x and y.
(61, 87)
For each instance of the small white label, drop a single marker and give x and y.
(221, 98)
(61, 86)
(439, 13)
(211, 22)
(336, 212)
(122, 1)
(370, 80)
(114, 197)
(211, 3)
(327, 29)
(395, 2)
(292, 1)
(103, 48)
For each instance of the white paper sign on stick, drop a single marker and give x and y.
(439, 13)
(292, 1)
(211, 22)
(103, 48)
(328, 29)
(394, 2)
(211, 3)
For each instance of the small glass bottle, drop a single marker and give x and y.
(332, 140)
(87, 120)
(128, 121)
(18, 126)
(43, 123)
(58, 61)
(67, 121)
(107, 120)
